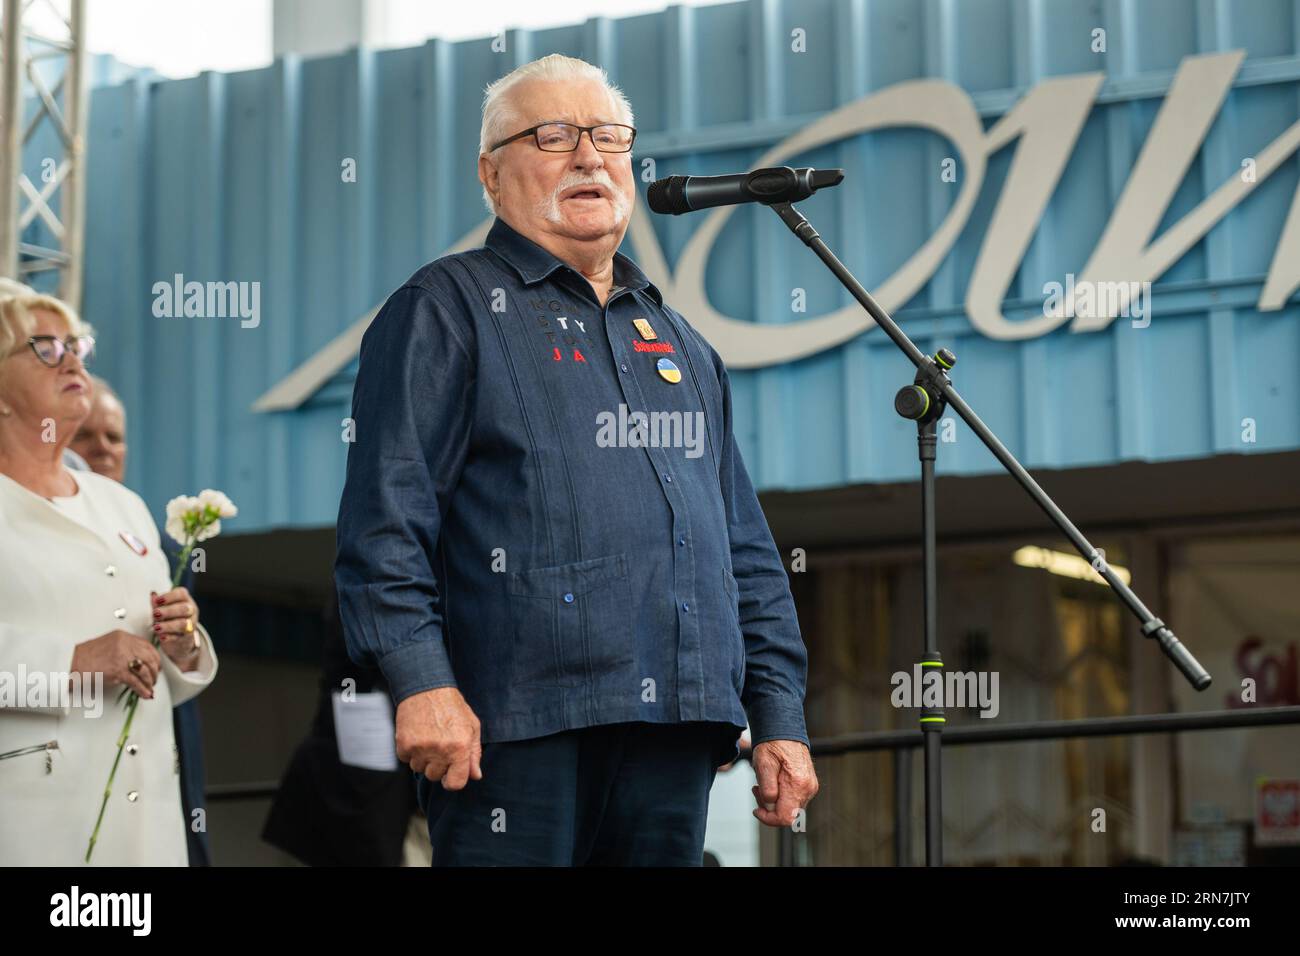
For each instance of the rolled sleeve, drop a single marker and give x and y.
(775, 656)
(412, 409)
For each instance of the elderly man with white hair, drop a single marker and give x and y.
(548, 541)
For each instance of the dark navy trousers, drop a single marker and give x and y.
(626, 794)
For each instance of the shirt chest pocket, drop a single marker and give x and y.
(572, 622)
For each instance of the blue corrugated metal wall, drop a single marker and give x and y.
(237, 177)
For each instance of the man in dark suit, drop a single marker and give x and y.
(327, 813)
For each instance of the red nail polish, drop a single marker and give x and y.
(158, 627)
(157, 615)
(157, 600)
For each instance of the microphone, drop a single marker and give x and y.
(775, 184)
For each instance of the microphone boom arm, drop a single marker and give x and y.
(934, 379)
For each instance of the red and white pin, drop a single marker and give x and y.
(134, 543)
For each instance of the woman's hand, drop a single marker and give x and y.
(112, 654)
(175, 622)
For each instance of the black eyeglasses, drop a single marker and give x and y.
(564, 137)
(50, 349)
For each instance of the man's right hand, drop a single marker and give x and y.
(438, 735)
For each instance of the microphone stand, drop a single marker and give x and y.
(924, 402)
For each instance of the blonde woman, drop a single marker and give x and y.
(83, 582)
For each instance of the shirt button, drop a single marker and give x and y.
(133, 796)
(111, 571)
(623, 366)
(132, 749)
(568, 597)
(120, 613)
(668, 478)
(682, 542)
(686, 607)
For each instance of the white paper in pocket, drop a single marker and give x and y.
(365, 731)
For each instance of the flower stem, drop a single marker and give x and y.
(132, 700)
(182, 561)
(108, 787)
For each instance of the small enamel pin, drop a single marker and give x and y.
(668, 370)
(134, 543)
(644, 330)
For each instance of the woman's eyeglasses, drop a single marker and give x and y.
(50, 349)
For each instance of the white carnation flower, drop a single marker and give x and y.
(210, 497)
(179, 505)
(177, 509)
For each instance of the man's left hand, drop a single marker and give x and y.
(786, 781)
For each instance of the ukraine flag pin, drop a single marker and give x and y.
(668, 371)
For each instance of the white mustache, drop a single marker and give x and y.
(549, 208)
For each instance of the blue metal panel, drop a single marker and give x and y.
(240, 178)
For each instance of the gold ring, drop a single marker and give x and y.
(135, 664)
(189, 625)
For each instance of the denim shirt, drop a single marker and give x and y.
(507, 529)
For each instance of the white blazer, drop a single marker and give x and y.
(63, 582)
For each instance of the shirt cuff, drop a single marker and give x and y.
(776, 718)
(416, 667)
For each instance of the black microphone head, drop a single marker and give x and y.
(821, 178)
(668, 196)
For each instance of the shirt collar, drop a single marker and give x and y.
(534, 263)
